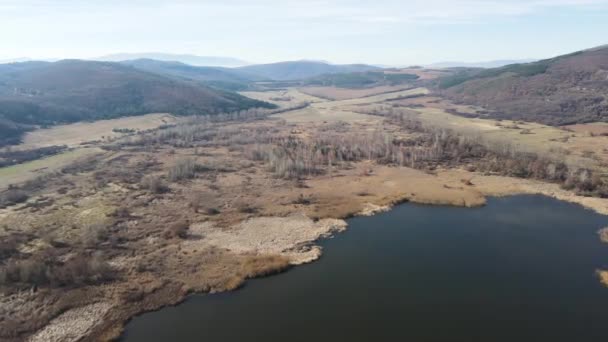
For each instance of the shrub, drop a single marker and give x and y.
(123, 130)
(303, 200)
(94, 234)
(183, 169)
(10, 157)
(203, 202)
(134, 294)
(154, 184)
(178, 229)
(78, 270)
(260, 266)
(211, 211)
(8, 247)
(121, 213)
(245, 207)
(12, 197)
(81, 270)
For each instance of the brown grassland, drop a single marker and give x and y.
(422, 73)
(335, 93)
(205, 203)
(80, 133)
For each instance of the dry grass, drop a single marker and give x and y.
(155, 184)
(75, 134)
(317, 114)
(283, 98)
(216, 228)
(28, 171)
(263, 265)
(334, 93)
(544, 139)
(336, 111)
(177, 230)
(183, 169)
(591, 129)
(423, 74)
(377, 98)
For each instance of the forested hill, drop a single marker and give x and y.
(562, 90)
(217, 77)
(298, 70)
(40, 93)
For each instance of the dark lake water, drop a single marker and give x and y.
(519, 269)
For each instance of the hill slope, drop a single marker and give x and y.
(562, 90)
(223, 78)
(298, 70)
(361, 79)
(486, 64)
(38, 93)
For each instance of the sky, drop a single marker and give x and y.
(387, 32)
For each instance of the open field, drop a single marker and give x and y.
(334, 93)
(75, 134)
(596, 128)
(21, 173)
(321, 114)
(376, 98)
(204, 205)
(343, 110)
(576, 147)
(282, 98)
(422, 73)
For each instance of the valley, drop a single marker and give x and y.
(136, 211)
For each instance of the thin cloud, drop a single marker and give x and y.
(265, 29)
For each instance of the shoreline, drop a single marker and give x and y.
(299, 245)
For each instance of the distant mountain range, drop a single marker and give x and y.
(15, 60)
(242, 78)
(43, 93)
(226, 69)
(297, 70)
(487, 64)
(561, 90)
(566, 89)
(219, 77)
(183, 58)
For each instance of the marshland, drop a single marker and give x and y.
(159, 196)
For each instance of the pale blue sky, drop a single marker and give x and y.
(342, 31)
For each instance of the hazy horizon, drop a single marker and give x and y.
(386, 32)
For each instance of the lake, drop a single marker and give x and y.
(521, 268)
